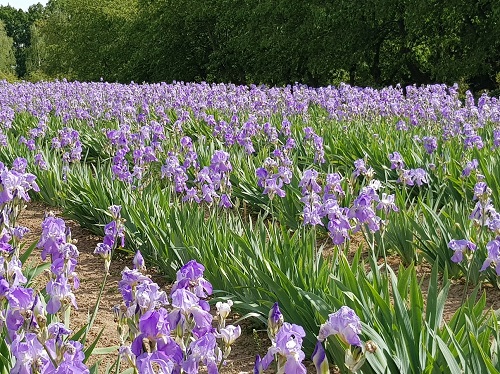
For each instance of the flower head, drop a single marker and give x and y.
(288, 346)
(459, 247)
(319, 359)
(344, 323)
(190, 276)
(274, 321)
(493, 248)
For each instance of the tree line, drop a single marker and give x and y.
(365, 42)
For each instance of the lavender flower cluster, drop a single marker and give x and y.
(134, 152)
(15, 185)
(132, 103)
(275, 173)
(211, 183)
(177, 335)
(38, 342)
(408, 177)
(286, 343)
(57, 244)
(114, 236)
(175, 105)
(484, 216)
(322, 203)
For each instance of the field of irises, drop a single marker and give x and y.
(248, 198)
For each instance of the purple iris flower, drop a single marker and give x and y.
(102, 249)
(202, 350)
(344, 323)
(153, 325)
(482, 212)
(59, 291)
(362, 210)
(20, 231)
(333, 187)
(53, 236)
(220, 162)
(258, 369)
(155, 337)
(225, 202)
(21, 301)
(309, 132)
(360, 168)
(405, 177)
(30, 355)
(150, 363)
(288, 345)
(6, 247)
(493, 248)
(496, 138)
(472, 141)
(112, 232)
(319, 154)
(430, 144)
(459, 247)
(149, 296)
(16, 185)
(130, 279)
(481, 191)
(12, 271)
(4, 288)
(494, 224)
(396, 161)
(261, 174)
(115, 211)
(190, 276)
(338, 221)
(40, 161)
(71, 360)
(208, 193)
(290, 143)
(420, 176)
(19, 165)
(275, 320)
(191, 194)
(309, 183)
(187, 304)
(401, 125)
(312, 212)
(273, 187)
(386, 203)
(138, 261)
(469, 167)
(171, 167)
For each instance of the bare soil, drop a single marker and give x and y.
(91, 272)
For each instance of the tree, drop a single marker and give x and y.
(7, 59)
(85, 40)
(18, 24)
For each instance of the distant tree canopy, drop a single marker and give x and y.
(18, 24)
(7, 59)
(376, 42)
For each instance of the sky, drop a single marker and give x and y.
(23, 4)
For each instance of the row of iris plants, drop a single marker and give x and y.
(267, 188)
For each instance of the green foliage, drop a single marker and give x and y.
(274, 42)
(93, 44)
(18, 26)
(7, 59)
